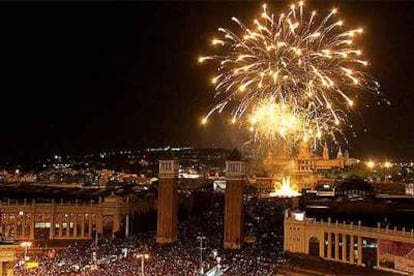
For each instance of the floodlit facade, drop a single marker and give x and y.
(383, 248)
(38, 218)
(305, 167)
(7, 258)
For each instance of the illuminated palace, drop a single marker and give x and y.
(31, 212)
(306, 167)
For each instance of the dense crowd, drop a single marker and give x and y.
(259, 256)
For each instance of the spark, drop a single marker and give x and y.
(291, 75)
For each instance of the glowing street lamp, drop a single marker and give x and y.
(387, 164)
(201, 238)
(218, 259)
(25, 245)
(143, 257)
(370, 164)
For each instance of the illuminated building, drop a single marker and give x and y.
(51, 213)
(306, 168)
(391, 249)
(7, 258)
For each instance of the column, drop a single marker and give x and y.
(83, 226)
(6, 224)
(24, 226)
(351, 250)
(60, 225)
(66, 229)
(329, 245)
(378, 251)
(359, 250)
(336, 247)
(127, 226)
(90, 226)
(52, 227)
(343, 247)
(32, 226)
(75, 226)
(322, 246)
(2, 218)
(16, 218)
(68, 221)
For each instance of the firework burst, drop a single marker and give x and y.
(292, 75)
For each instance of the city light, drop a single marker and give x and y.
(25, 245)
(370, 164)
(143, 257)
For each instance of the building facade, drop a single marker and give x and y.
(305, 168)
(39, 219)
(8, 258)
(391, 249)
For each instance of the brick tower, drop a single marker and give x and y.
(233, 212)
(167, 200)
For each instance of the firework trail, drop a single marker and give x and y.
(291, 76)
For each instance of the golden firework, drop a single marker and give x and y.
(292, 75)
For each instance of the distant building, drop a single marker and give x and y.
(409, 189)
(325, 190)
(354, 188)
(306, 167)
(306, 161)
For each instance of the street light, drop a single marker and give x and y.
(370, 164)
(25, 245)
(143, 257)
(201, 238)
(387, 164)
(218, 259)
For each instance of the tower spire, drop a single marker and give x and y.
(325, 153)
(340, 155)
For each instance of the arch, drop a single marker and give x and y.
(314, 246)
(108, 225)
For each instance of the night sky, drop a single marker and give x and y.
(79, 77)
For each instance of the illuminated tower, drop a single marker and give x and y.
(167, 200)
(233, 212)
(304, 150)
(339, 155)
(325, 153)
(268, 162)
(346, 155)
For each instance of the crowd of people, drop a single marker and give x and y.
(259, 256)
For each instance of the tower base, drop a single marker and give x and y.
(232, 245)
(165, 240)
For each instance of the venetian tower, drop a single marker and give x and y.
(167, 200)
(233, 212)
